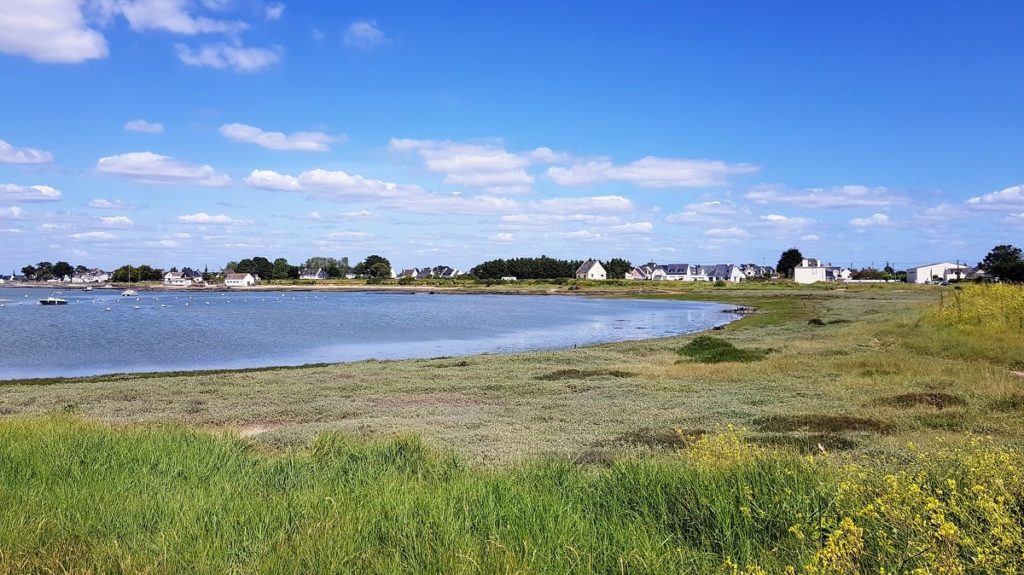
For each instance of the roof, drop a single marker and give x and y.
(587, 266)
(236, 276)
(676, 269)
(964, 265)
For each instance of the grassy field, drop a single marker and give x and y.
(819, 434)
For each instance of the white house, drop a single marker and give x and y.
(176, 279)
(94, 275)
(810, 271)
(312, 274)
(591, 270)
(944, 271)
(239, 280)
(723, 272)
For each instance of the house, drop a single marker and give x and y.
(5, 279)
(240, 280)
(186, 277)
(591, 270)
(678, 272)
(444, 272)
(834, 274)
(753, 271)
(651, 271)
(94, 275)
(411, 273)
(509, 278)
(312, 274)
(724, 273)
(809, 271)
(943, 271)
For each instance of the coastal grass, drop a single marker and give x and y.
(85, 497)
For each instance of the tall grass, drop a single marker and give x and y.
(83, 497)
(976, 322)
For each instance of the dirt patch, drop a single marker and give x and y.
(937, 400)
(1013, 402)
(822, 423)
(1019, 374)
(805, 443)
(709, 349)
(254, 429)
(563, 374)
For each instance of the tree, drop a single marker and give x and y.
(61, 269)
(374, 266)
(29, 272)
(1004, 262)
(281, 269)
(44, 271)
(789, 260)
(257, 266)
(617, 268)
(80, 269)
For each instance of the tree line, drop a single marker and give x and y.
(543, 267)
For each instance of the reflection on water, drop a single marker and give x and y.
(100, 332)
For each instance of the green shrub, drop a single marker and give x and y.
(708, 349)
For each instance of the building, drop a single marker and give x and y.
(723, 273)
(312, 274)
(94, 275)
(240, 280)
(185, 278)
(944, 271)
(591, 270)
(810, 271)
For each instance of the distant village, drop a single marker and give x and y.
(806, 271)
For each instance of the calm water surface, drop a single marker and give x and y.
(99, 332)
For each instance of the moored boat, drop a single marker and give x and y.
(53, 300)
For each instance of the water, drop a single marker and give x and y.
(99, 332)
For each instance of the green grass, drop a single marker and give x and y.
(81, 497)
(709, 349)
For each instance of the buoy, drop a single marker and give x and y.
(108, 309)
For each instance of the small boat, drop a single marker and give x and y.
(52, 300)
(129, 293)
(87, 288)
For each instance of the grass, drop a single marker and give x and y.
(84, 497)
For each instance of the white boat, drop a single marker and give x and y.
(53, 300)
(87, 288)
(129, 292)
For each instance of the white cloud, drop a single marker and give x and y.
(810, 238)
(315, 216)
(12, 212)
(453, 204)
(732, 232)
(104, 204)
(357, 215)
(172, 16)
(634, 228)
(535, 219)
(873, 220)
(150, 168)
(347, 235)
(274, 11)
(716, 211)
(49, 31)
(16, 193)
(11, 155)
(364, 35)
(224, 56)
(302, 141)
(778, 220)
(503, 238)
(162, 244)
(182, 236)
(331, 185)
(1007, 198)
(484, 166)
(94, 236)
(116, 221)
(585, 204)
(651, 172)
(144, 127)
(837, 197)
(205, 218)
(581, 235)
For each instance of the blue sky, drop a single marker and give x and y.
(194, 132)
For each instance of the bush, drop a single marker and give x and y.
(708, 349)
